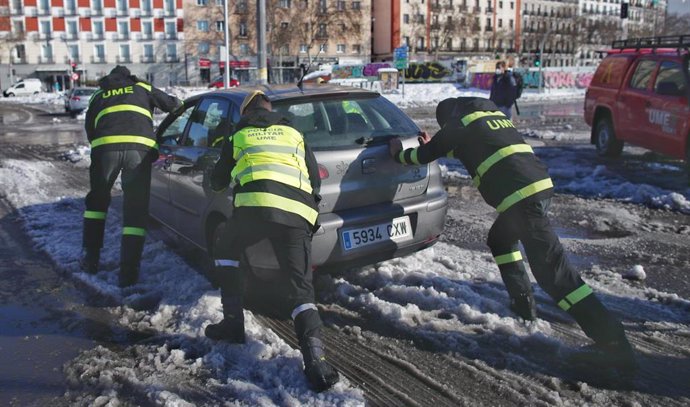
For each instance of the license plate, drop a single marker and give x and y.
(397, 229)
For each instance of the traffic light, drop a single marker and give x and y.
(537, 60)
(74, 66)
(624, 10)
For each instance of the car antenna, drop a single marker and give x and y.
(300, 83)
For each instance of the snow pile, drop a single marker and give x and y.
(55, 98)
(635, 273)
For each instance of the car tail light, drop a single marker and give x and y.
(323, 172)
(76, 98)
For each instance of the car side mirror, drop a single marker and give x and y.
(669, 89)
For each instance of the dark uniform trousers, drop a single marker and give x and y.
(528, 223)
(292, 247)
(135, 167)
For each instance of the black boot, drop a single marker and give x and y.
(618, 355)
(231, 328)
(129, 275)
(320, 373)
(524, 306)
(228, 330)
(89, 262)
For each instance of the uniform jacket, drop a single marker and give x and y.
(120, 113)
(502, 166)
(504, 89)
(281, 195)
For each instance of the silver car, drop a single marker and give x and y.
(373, 209)
(77, 99)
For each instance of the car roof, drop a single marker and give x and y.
(276, 93)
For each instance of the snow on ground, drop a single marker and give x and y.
(43, 98)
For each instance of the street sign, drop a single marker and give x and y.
(400, 58)
(75, 76)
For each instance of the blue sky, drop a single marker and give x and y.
(679, 6)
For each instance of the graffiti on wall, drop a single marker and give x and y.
(552, 80)
(358, 71)
(428, 72)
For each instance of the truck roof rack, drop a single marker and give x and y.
(672, 41)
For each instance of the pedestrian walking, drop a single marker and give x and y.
(276, 198)
(504, 89)
(119, 126)
(515, 182)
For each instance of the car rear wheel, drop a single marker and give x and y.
(607, 143)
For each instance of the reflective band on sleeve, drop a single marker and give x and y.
(302, 308)
(413, 156)
(478, 115)
(508, 258)
(574, 297)
(94, 215)
(129, 230)
(270, 149)
(144, 85)
(498, 156)
(227, 263)
(401, 157)
(124, 139)
(276, 201)
(523, 193)
(122, 108)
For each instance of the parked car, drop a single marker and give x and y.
(373, 209)
(24, 87)
(639, 94)
(219, 82)
(77, 99)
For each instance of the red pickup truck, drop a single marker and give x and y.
(639, 94)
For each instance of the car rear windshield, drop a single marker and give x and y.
(353, 122)
(83, 92)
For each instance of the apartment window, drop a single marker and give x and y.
(202, 25)
(322, 31)
(342, 27)
(303, 48)
(171, 51)
(123, 29)
(510, 23)
(44, 5)
(340, 5)
(45, 27)
(124, 52)
(18, 26)
(500, 4)
(201, 2)
(323, 48)
(285, 50)
(356, 5)
(436, 41)
(72, 28)
(284, 25)
(204, 47)
(284, 3)
(406, 18)
(170, 30)
(73, 52)
(220, 25)
(340, 48)
(420, 42)
(243, 29)
(46, 52)
(405, 40)
(449, 44)
(356, 28)
(244, 49)
(147, 29)
(122, 5)
(97, 28)
(500, 23)
(148, 51)
(169, 6)
(420, 19)
(512, 5)
(70, 6)
(97, 6)
(357, 49)
(99, 51)
(146, 6)
(488, 23)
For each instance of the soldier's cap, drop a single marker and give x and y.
(449, 108)
(250, 97)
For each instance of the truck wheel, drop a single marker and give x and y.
(607, 143)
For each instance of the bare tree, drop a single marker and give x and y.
(677, 24)
(450, 24)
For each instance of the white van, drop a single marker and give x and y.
(30, 86)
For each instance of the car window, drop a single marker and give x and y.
(83, 92)
(670, 71)
(337, 123)
(208, 123)
(20, 86)
(642, 75)
(173, 133)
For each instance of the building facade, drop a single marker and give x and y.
(53, 39)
